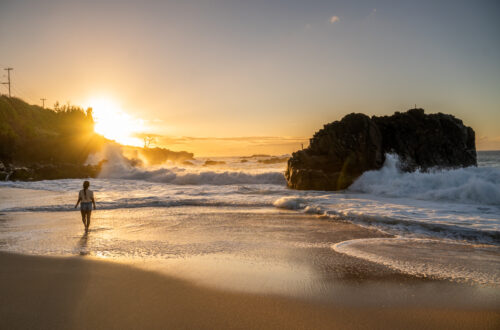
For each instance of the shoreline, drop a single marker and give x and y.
(281, 242)
(78, 293)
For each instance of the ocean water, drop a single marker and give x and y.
(445, 223)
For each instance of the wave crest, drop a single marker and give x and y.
(472, 185)
(118, 167)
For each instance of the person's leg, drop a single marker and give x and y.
(88, 218)
(83, 218)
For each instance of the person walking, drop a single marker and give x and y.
(86, 198)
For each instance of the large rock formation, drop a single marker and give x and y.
(341, 151)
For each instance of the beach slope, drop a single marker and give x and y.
(81, 293)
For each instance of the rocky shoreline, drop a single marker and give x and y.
(37, 172)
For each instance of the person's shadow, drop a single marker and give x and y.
(82, 244)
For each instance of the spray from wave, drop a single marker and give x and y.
(117, 166)
(471, 185)
(457, 204)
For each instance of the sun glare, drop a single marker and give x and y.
(114, 124)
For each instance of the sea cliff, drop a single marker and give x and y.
(340, 152)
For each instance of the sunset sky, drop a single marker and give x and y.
(243, 77)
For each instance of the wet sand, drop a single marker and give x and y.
(214, 268)
(82, 293)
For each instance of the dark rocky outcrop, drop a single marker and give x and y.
(273, 160)
(210, 162)
(341, 151)
(425, 141)
(49, 172)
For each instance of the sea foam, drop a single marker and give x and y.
(118, 167)
(454, 261)
(472, 185)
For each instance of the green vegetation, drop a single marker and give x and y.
(48, 144)
(30, 134)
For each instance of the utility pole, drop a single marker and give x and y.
(43, 102)
(8, 78)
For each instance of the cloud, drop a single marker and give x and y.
(373, 12)
(334, 19)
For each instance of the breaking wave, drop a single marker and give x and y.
(132, 203)
(179, 176)
(117, 167)
(471, 185)
(461, 204)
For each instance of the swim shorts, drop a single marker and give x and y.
(86, 206)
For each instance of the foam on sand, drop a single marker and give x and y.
(430, 258)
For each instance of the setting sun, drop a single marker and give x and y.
(113, 123)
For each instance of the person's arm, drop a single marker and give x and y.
(93, 201)
(78, 201)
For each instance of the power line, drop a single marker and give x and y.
(21, 94)
(8, 78)
(33, 97)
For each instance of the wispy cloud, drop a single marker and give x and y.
(334, 19)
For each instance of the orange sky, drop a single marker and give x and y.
(227, 78)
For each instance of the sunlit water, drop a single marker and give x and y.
(236, 225)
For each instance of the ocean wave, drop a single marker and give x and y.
(471, 185)
(290, 203)
(418, 228)
(397, 219)
(180, 177)
(117, 167)
(132, 203)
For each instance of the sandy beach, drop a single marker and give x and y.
(80, 293)
(212, 269)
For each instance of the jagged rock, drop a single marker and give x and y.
(337, 154)
(273, 160)
(52, 172)
(3, 171)
(341, 151)
(210, 162)
(425, 141)
(21, 174)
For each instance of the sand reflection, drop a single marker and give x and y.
(82, 244)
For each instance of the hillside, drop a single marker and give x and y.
(40, 144)
(30, 134)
